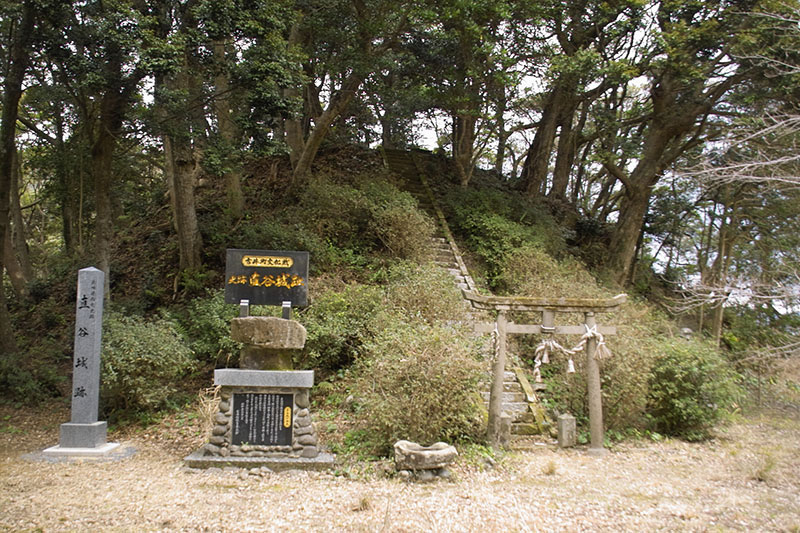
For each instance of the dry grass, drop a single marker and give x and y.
(640, 486)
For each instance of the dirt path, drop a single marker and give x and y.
(748, 479)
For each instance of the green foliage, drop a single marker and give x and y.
(32, 375)
(424, 292)
(143, 362)
(342, 225)
(691, 388)
(419, 382)
(531, 271)
(340, 212)
(341, 323)
(374, 216)
(404, 230)
(496, 224)
(207, 329)
(338, 325)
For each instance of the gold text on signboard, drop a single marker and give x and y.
(267, 261)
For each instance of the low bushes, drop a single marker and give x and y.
(411, 372)
(143, 363)
(418, 382)
(496, 224)
(339, 323)
(206, 325)
(691, 388)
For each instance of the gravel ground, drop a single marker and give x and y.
(747, 479)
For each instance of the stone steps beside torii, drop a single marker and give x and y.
(519, 398)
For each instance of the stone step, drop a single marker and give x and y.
(508, 397)
(508, 386)
(514, 408)
(526, 418)
(524, 428)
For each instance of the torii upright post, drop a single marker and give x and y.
(495, 429)
(594, 392)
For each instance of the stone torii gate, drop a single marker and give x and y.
(591, 333)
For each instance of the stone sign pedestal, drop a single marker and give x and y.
(263, 419)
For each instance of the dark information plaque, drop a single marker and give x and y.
(262, 419)
(266, 277)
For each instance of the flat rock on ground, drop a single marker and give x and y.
(747, 479)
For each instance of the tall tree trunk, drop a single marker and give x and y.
(18, 255)
(339, 102)
(181, 167)
(502, 134)
(14, 269)
(565, 157)
(622, 250)
(293, 127)
(16, 65)
(228, 132)
(464, 147)
(71, 190)
(537, 160)
(667, 126)
(102, 170)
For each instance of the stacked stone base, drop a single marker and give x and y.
(302, 453)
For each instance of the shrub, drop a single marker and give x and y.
(424, 291)
(418, 382)
(691, 388)
(340, 213)
(338, 325)
(625, 375)
(495, 224)
(531, 271)
(403, 229)
(142, 363)
(33, 374)
(207, 329)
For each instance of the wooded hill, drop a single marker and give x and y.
(145, 137)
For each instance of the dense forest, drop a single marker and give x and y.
(653, 142)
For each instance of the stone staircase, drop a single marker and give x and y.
(519, 399)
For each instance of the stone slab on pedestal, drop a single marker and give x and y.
(235, 377)
(269, 332)
(263, 419)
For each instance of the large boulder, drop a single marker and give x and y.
(269, 332)
(412, 456)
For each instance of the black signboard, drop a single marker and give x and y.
(262, 419)
(266, 277)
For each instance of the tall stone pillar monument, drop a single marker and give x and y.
(84, 435)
